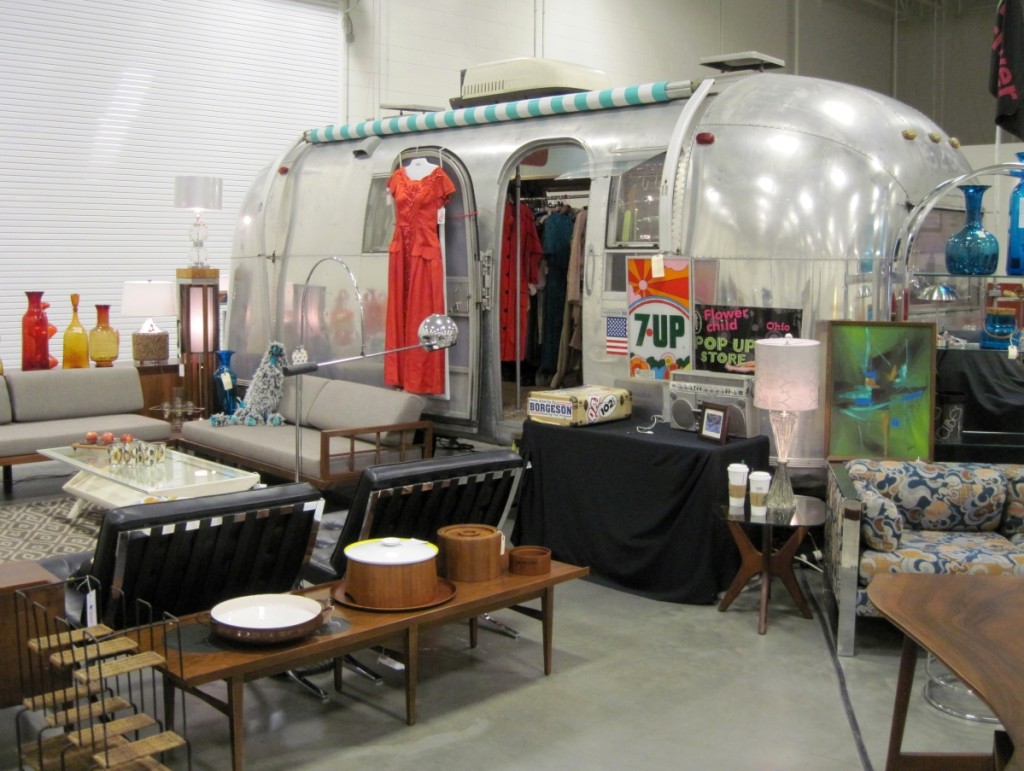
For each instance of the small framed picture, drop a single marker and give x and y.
(714, 423)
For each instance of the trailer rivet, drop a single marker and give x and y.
(705, 138)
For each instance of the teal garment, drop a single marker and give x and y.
(557, 242)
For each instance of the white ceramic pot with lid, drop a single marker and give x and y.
(391, 573)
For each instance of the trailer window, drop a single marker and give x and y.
(633, 206)
(380, 217)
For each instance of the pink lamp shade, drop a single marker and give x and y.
(786, 374)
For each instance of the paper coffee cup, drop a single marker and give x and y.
(760, 481)
(737, 483)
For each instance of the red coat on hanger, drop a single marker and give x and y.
(415, 280)
(517, 291)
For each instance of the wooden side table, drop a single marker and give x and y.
(14, 576)
(158, 383)
(767, 563)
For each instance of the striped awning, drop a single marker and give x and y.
(586, 101)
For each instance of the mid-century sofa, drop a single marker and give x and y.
(917, 517)
(56, 407)
(345, 427)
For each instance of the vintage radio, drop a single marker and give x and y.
(689, 390)
(579, 406)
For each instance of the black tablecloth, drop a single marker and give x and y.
(991, 384)
(638, 509)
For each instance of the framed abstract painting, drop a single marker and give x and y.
(880, 390)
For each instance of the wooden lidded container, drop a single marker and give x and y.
(391, 573)
(470, 552)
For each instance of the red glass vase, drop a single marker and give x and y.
(35, 334)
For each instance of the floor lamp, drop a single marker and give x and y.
(786, 382)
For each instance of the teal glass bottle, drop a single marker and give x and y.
(225, 384)
(972, 250)
(1015, 243)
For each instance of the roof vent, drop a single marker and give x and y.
(512, 79)
(747, 60)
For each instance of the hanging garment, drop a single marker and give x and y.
(557, 245)
(516, 293)
(415, 280)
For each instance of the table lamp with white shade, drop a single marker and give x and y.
(786, 383)
(198, 194)
(149, 299)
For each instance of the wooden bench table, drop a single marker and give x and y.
(206, 659)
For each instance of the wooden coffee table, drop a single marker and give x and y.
(205, 660)
(974, 624)
(180, 475)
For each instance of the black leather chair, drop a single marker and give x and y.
(187, 555)
(416, 498)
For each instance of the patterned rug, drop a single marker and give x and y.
(29, 531)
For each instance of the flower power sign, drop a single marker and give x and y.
(659, 309)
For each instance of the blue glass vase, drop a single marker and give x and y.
(972, 250)
(225, 383)
(1015, 244)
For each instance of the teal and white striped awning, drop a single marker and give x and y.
(586, 101)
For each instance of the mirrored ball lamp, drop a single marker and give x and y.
(786, 383)
(198, 194)
(149, 299)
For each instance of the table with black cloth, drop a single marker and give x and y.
(990, 387)
(640, 510)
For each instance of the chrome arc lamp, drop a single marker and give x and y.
(786, 383)
(436, 332)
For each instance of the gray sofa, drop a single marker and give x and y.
(346, 427)
(56, 407)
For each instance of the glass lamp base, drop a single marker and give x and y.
(780, 498)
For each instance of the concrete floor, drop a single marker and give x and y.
(637, 684)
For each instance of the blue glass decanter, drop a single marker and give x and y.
(225, 384)
(972, 250)
(1015, 244)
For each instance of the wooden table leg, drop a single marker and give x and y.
(782, 566)
(904, 686)
(236, 722)
(547, 609)
(412, 663)
(766, 578)
(751, 563)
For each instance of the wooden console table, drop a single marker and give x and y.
(974, 624)
(206, 660)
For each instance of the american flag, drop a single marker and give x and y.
(616, 341)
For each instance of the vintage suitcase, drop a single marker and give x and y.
(580, 406)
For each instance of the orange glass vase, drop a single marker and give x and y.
(104, 340)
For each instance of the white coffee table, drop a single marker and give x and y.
(179, 475)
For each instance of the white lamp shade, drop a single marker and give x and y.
(786, 374)
(197, 192)
(149, 298)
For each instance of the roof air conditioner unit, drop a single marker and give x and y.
(512, 79)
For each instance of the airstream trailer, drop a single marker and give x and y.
(777, 193)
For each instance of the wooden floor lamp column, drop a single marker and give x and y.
(199, 332)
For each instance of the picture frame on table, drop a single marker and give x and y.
(880, 390)
(714, 423)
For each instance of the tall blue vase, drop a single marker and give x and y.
(972, 250)
(1015, 244)
(225, 384)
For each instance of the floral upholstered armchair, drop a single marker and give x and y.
(917, 517)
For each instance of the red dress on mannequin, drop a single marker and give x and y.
(415, 280)
(517, 292)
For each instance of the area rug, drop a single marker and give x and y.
(29, 531)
